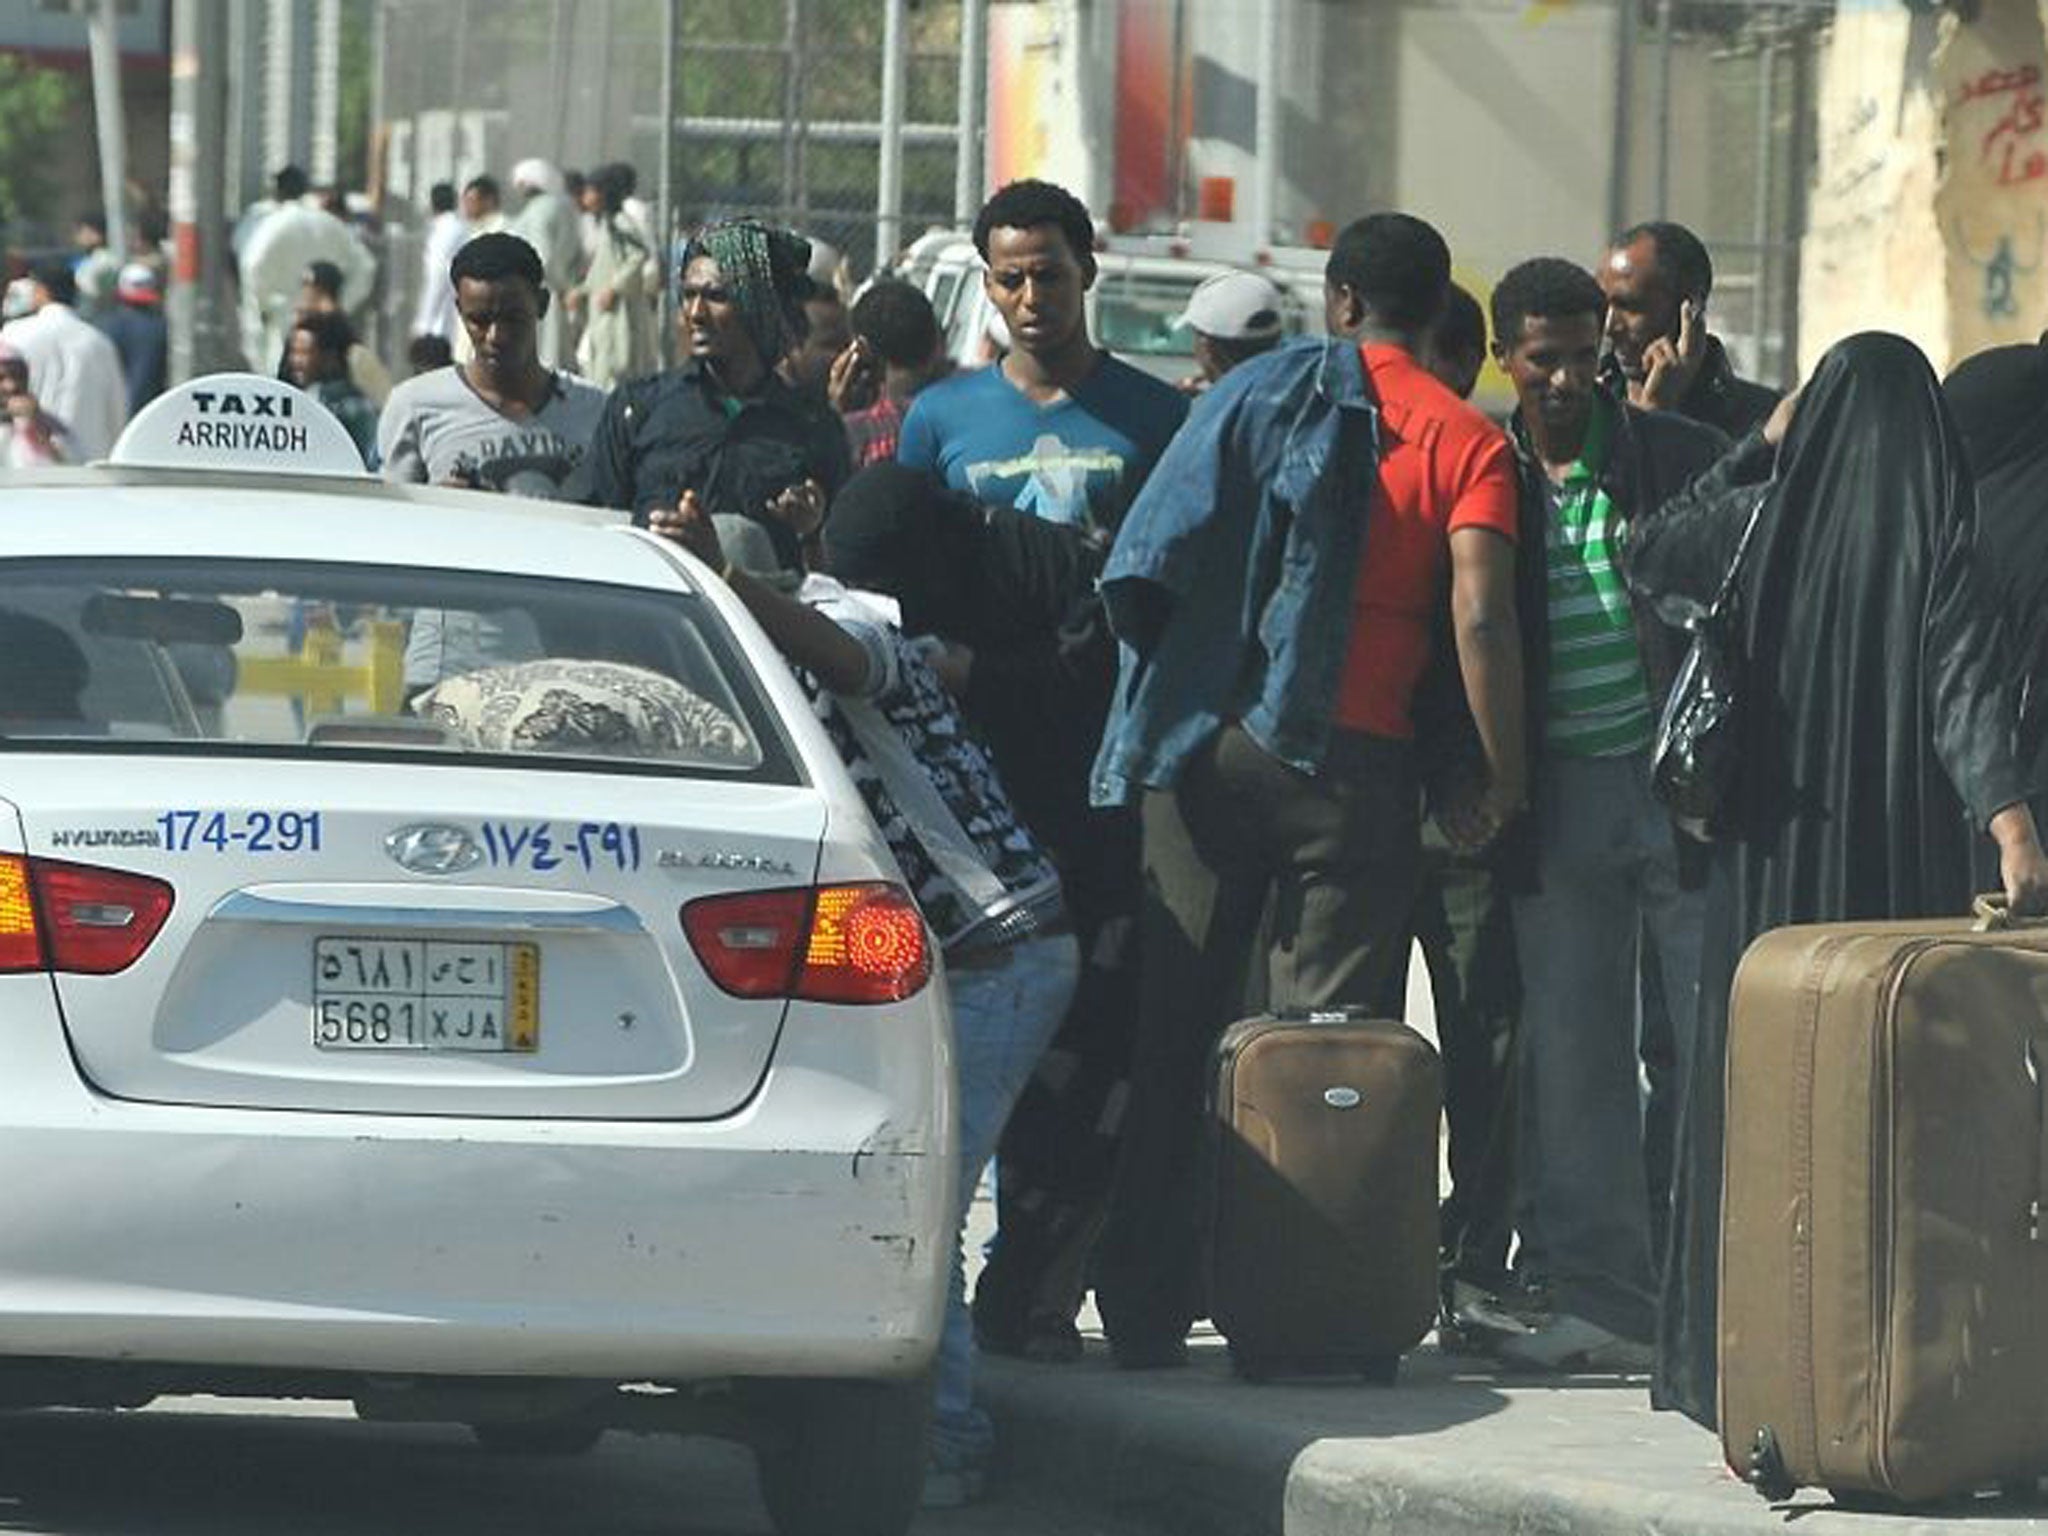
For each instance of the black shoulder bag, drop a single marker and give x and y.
(1695, 756)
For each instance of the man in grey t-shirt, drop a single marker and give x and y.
(501, 421)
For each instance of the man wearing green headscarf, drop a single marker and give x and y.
(723, 428)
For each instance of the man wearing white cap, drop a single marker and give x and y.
(1234, 316)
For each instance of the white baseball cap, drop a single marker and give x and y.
(1235, 306)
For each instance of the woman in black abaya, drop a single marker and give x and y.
(2000, 402)
(1878, 706)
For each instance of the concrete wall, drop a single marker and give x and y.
(1930, 207)
(1495, 122)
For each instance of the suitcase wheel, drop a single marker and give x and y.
(1766, 1471)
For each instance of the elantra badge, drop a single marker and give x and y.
(433, 848)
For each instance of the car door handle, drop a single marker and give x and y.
(412, 906)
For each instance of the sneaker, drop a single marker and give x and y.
(1568, 1343)
(951, 1482)
(1476, 1319)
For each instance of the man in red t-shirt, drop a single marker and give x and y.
(1331, 837)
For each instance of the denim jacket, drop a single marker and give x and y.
(1230, 586)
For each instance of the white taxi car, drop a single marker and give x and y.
(443, 965)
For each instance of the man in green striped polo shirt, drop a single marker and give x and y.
(1601, 861)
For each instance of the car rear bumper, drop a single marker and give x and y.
(807, 1235)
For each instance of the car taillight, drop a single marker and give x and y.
(860, 943)
(749, 944)
(75, 917)
(867, 945)
(21, 947)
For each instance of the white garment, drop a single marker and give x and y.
(252, 216)
(274, 263)
(640, 213)
(446, 235)
(549, 223)
(75, 374)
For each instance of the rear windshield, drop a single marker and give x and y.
(268, 659)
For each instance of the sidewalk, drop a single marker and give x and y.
(1455, 1450)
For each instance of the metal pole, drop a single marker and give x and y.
(247, 161)
(198, 307)
(1266, 130)
(970, 169)
(889, 178)
(1760, 217)
(1176, 142)
(792, 101)
(665, 192)
(1621, 168)
(800, 127)
(560, 51)
(1798, 153)
(103, 38)
(324, 134)
(1664, 109)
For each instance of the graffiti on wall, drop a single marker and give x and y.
(2001, 268)
(2011, 148)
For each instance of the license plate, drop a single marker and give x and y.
(425, 995)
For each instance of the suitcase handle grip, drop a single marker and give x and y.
(1994, 915)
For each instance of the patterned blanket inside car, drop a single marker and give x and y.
(598, 708)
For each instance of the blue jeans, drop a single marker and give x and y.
(1006, 1006)
(1608, 871)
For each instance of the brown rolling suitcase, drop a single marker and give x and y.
(1884, 1264)
(1323, 1248)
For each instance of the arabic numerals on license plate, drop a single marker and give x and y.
(258, 832)
(367, 1021)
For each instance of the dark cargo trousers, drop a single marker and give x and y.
(1337, 854)
(1058, 1151)
(1463, 922)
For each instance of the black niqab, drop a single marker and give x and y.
(1878, 710)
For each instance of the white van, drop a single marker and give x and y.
(1142, 287)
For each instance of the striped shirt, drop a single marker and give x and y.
(1599, 697)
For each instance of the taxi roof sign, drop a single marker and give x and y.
(239, 421)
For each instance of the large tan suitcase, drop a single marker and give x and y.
(1323, 1250)
(1884, 1262)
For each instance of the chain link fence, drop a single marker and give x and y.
(778, 110)
(1731, 152)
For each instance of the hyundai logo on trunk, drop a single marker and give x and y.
(433, 848)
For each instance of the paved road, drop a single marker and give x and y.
(201, 1467)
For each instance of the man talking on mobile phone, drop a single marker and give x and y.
(1657, 278)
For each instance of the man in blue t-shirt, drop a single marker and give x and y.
(1061, 429)
(1058, 427)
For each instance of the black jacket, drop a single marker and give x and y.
(1731, 406)
(677, 431)
(1652, 455)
